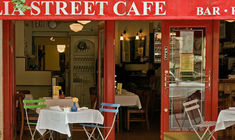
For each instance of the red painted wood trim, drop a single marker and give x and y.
(215, 77)
(13, 54)
(164, 66)
(109, 71)
(100, 28)
(211, 66)
(7, 83)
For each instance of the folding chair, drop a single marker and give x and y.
(31, 105)
(112, 108)
(193, 107)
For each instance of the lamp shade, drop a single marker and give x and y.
(137, 37)
(61, 48)
(121, 37)
(76, 27)
(230, 20)
(83, 21)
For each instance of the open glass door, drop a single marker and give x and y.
(186, 74)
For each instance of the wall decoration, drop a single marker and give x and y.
(187, 62)
(187, 42)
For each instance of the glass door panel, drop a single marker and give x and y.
(187, 78)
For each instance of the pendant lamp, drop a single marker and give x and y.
(76, 27)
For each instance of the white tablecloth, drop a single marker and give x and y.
(186, 89)
(59, 121)
(225, 119)
(128, 99)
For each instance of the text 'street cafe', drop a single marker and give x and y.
(119, 9)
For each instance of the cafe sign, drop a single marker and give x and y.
(120, 9)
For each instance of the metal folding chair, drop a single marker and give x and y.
(33, 105)
(193, 107)
(112, 108)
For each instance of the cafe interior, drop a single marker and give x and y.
(59, 60)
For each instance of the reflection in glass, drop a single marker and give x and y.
(187, 74)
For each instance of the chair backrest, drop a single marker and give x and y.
(146, 100)
(34, 104)
(192, 107)
(110, 108)
(93, 97)
(177, 104)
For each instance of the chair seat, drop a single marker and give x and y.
(93, 125)
(136, 111)
(206, 124)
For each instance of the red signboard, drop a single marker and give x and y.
(120, 9)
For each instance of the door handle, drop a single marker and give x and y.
(165, 78)
(165, 110)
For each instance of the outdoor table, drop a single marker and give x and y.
(225, 119)
(59, 120)
(126, 99)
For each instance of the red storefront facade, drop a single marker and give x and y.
(178, 13)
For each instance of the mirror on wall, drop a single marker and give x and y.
(133, 50)
(48, 54)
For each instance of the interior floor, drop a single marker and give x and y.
(138, 131)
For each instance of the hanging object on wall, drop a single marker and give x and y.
(61, 48)
(123, 35)
(139, 35)
(76, 27)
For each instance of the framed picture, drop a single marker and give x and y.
(187, 62)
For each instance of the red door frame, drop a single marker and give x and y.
(212, 59)
(8, 53)
(109, 71)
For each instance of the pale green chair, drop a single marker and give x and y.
(33, 105)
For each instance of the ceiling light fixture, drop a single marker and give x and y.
(76, 27)
(61, 48)
(229, 20)
(123, 35)
(84, 21)
(52, 39)
(137, 36)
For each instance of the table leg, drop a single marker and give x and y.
(122, 118)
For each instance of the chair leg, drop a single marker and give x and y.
(233, 132)
(118, 129)
(128, 121)
(147, 121)
(21, 130)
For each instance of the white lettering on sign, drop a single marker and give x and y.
(133, 9)
(160, 8)
(116, 7)
(47, 7)
(88, 7)
(102, 4)
(60, 8)
(36, 8)
(147, 7)
(208, 11)
(233, 10)
(76, 8)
